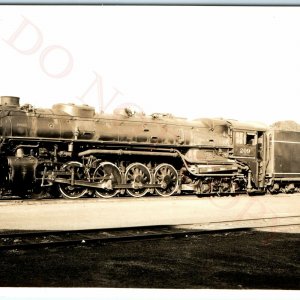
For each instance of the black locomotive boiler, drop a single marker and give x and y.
(72, 151)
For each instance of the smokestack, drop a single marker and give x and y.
(9, 101)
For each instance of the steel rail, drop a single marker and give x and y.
(43, 239)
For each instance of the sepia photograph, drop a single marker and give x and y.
(149, 151)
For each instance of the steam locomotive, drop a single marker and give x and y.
(73, 152)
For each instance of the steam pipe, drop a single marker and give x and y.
(126, 152)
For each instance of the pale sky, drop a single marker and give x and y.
(231, 62)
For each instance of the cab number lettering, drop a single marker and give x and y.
(245, 151)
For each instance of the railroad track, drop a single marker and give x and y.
(17, 199)
(28, 240)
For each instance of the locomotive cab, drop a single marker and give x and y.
(245, 143)
(249, 143)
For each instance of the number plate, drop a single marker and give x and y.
(245, 151)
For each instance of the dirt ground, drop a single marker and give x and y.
(241, 260)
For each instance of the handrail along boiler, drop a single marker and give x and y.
(72, 151)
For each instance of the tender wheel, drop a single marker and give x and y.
(108, 175)
(77, 172)
(137, 175)
(167, 176)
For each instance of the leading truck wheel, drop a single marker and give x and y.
(75, 171)
(167, 177)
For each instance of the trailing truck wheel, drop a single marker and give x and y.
(167, 176)
(137, 175)
(107, 175)
(75, 171)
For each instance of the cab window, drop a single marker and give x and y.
(245, 138)
(251, 139)
(240, 138)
